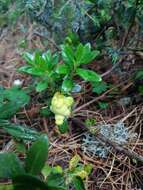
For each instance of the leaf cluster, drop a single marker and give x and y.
(55, 74)
(34, 173)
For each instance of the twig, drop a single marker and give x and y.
(112, 68)
(94, 100)
(91, 102)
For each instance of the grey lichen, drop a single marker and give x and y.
(93, 147)
(118, 133)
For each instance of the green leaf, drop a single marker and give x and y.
(31, 70)
(84, 54)
(10, 165)
(72, 38)
(29, 58)
(99, 87)
(50, 60)
(140, 89)
(78, 183)
(80, 54)
(18, 131)
(68, 53)
(89, 75)
(13, 100)
(139, 75)
(20, 147)
(46, 170)
(88, 168)
(54, 187)
(41, 86)
(62, 69)
(90, 122)
(37, 58)
(25, 69)
(57, 169)
(67, 85)
(29, 182)
(16, 95)
(40, 65)
(103, 105)
(7, 110)
(64, 127)
(37, 155)
(56, 180)
(74, 162)
(45, 111)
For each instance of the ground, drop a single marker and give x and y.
(117, 170)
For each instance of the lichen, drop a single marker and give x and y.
(118, 133)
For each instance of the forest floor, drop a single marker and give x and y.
(117, 170)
